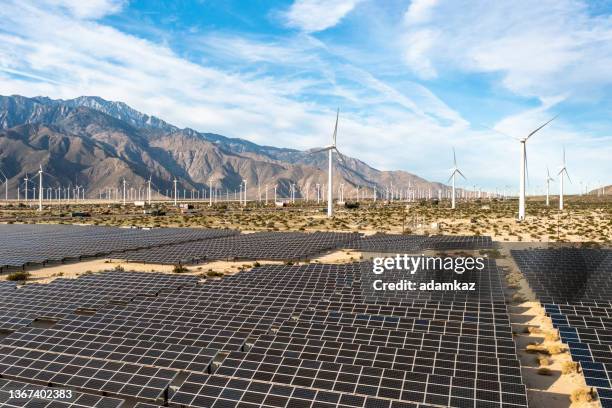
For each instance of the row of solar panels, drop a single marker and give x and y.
(575, 288)
(22, 245)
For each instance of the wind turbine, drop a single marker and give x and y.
(149, 190)
(330, 149)
(124, 191)
(40, 188)
(563, 170)
(523, 170)
(548, 180)
(5, 185)
(175, 191)
(452, 177)
(523, 164)
(26, 187)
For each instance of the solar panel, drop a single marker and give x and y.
(259, 246)
(369, 381)
(58, 243)
(205, 391)
(143, 352)
(408, 359)
(405, 243)
(15, 394)
(112, 378)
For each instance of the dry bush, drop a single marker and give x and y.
(584, 394)
(552, 335)
(569, 367)
(550, 349)
(543, 360)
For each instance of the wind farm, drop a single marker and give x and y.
(305, 204)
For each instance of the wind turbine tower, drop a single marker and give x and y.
(452, 177)
(40, 188)
(175, 191)
(561, 172)
(548, 180)
(5, 185)
(330, 149)
(523, 169)
(149, 190)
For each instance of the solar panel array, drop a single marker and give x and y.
(575, 287)
(26, 244)
(404, 243)
(260, 245)
(285, 336)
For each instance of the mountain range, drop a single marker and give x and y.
(95, 143)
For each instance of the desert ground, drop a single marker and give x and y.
(584, 219)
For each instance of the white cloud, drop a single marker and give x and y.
(419, 11)
(88, 9)
(419, 44)
(539, 48)
(318, 15)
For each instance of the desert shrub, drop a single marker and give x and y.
(179, 269)
(18, 276)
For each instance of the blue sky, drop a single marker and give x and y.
(412, 78)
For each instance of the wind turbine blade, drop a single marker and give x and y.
(340, 156)
(336, 127)
(450, 178)
(564, 156)
(497, 131)
(454, 158)
(535, 131)
(459, 171)
(323, 149)
(567, 174)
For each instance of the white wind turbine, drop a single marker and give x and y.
(548, 180)
(560, 174)
(452, 177)
(5, 185)
(523, 166)
(329, 149)
(523, 170)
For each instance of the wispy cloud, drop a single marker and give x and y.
(318, 15)
(541, 49)
(419, 11)
(89, 9)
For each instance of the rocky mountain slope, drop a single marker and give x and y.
(94, 143)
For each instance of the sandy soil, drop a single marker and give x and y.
(75, 269)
